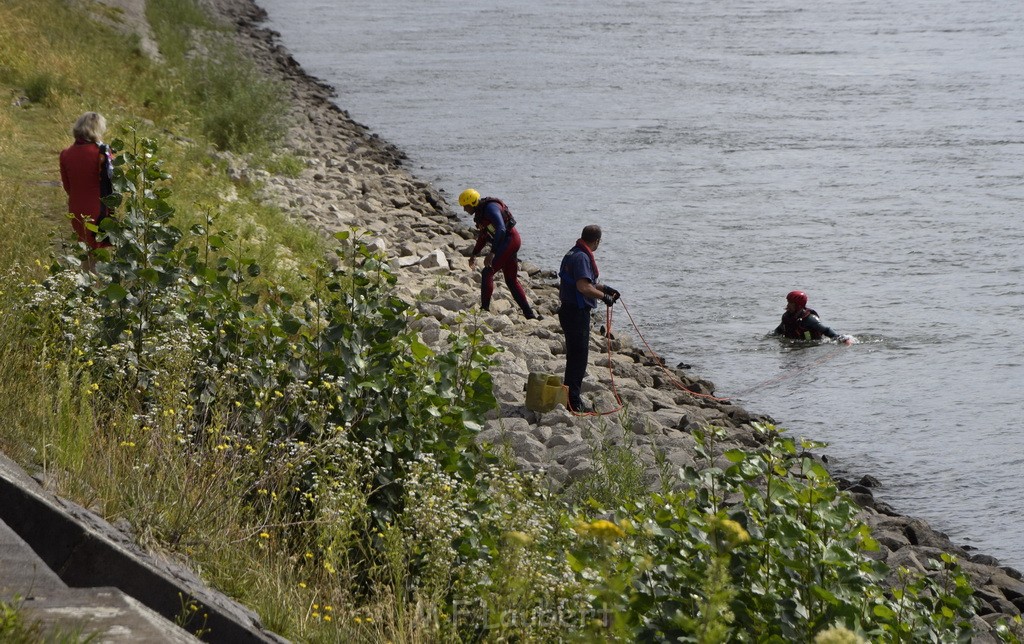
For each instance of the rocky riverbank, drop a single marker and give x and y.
(353, 179)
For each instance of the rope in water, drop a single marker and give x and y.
(660, 362)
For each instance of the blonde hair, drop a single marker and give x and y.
(90, 127)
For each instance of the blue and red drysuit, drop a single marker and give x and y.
(495, 224)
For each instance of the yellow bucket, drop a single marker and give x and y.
(544, 391)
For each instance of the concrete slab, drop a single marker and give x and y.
(105, 614)
(22, 572)
(83, 551)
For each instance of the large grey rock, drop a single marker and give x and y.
(562, 435)
(435, 259)
(528, 448)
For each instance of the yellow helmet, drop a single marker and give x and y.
(469, 197)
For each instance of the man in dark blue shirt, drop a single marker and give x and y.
(578, 292)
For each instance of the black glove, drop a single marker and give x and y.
(607, 299)
(610, 291)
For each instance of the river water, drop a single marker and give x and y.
(868, 152)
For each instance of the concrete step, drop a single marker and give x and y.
(60, 560)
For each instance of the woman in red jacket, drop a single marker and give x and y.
(85, 171)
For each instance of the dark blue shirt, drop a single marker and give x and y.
(575, 266)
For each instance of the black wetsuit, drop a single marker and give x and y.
(804, 325)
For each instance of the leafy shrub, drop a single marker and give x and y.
(44, 87)
(618, 477)
(767, 549)
(183, 332)
(239, 107)
(287, 165)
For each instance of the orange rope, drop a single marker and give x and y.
(661, 363)
(789, 373)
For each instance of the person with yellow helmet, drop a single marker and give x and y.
(496, 225)
(802, 323)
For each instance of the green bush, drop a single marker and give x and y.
(239, 108)
(618, 477)
(189, 339)
(44, 88)
(767, 549)
(287, 165)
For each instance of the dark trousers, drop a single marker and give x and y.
(575, 324)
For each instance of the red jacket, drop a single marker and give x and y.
(80, 166)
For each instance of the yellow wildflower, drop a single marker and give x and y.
(517, 537)
(838, 635)
(264, 535)
(606, 530)
(734, 533)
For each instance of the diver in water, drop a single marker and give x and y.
(802, 323)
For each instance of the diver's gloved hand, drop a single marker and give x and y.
(845, 339)
(607, 299)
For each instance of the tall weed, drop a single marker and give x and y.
(238, 107)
